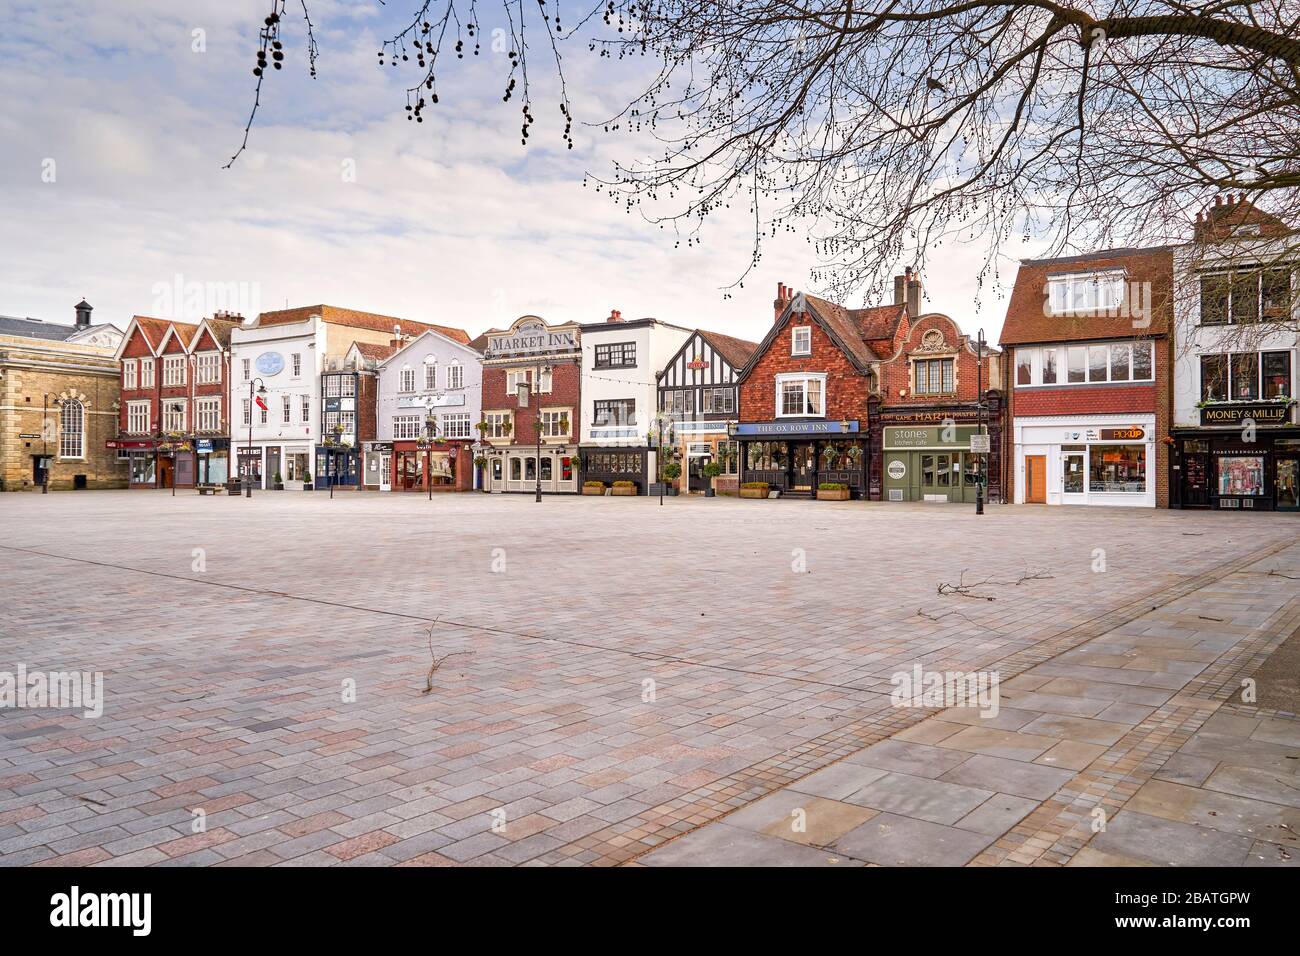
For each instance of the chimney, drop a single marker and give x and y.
(615, 316)
(907, 291)
(783, 296)
(396, 340)
(83, 309)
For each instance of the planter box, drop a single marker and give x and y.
(754, 492)
(592, 491)
(833, 495)
(623, 491)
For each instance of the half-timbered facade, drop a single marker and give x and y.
(698, 389)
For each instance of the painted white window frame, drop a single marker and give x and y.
(173, 370)
(207, 368)
(139, 415)
(783, 378)
(175, 414)
(797, 333)
(431, 375)
(305, 408)
(1068, 292)
(455, 375)
(130, 369)
(146, 373)
(1062, 353)
(295, 360)
(207, 414)
(406, 380)
(455, 425)
(72, 430)
(406, 427)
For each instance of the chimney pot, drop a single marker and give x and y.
(1218, 200)
(615, 316)
(83, 310)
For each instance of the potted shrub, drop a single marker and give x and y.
(672, 471)
(279, 484)
(306, 481)
(593, 487)
(624, 488)
(754, 489)
(711, 471)
(832, 491)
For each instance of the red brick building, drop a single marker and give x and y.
(938, 387)
(174, 417)
(547, 361)
(1089, 385)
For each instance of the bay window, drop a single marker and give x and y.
(1132, 361)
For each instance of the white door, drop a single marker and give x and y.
(385, 472)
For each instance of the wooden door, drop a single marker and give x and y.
(1036, 479)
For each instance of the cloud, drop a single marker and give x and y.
(449, 220)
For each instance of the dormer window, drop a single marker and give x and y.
(801, 340)
(1085, 292)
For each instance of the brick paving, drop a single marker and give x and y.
(275, 681)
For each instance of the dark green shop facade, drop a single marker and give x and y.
(930, 463)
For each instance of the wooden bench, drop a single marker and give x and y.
(210, 489)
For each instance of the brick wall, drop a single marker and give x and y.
(846, 387)
(565, 393)
(896, 372)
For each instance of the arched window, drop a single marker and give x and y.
(72, 437)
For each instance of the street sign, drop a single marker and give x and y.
(979, 444)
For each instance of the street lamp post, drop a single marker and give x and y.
(430, 430)
(663, 422)
(980, 461)
(248, 466)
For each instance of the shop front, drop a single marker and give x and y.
(795, 457)
(520, 468)
(213, 460)
(1093, 460)
(931, 463)
(439, 466)
(1245, 457)
(701, 444)
(141, 455)
(378, 459)
(338, 465)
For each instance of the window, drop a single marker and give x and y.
(934, 377)
(207, 368)
(137, 418)
(729, 457)
(718, 401)
(544, 379)
(1117, 468)
(430, 376)
(248, 368)
(555, 424)
(1143, 365)
(1098, 362)
(497, 425)
(129, 368)
(678, 401)
(286, 409)
(616, 355)
(407, 426)
(1120, 357)
(146, 373)
(515, 468)
(1024, 367)
(1214, 378)
(406, 380)
(1276, 374)
(1085, 292)
(248, 412)
(524, 376)
(261, 412)
(799, 395)
(174, 415)
(767, 455)
(207, 414)
(801, 340)
(1078, 369)
(174, 370)
(296, 362)
(72, 438)
(617, 411)
(1049, 366)
(456, 425)
(1244, 384)
(1241, 475)
(305, 410)
(1246, 295)
(614, 463)
(455, 375)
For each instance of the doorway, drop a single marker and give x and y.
(1286, 483)
(802, 478)
(1036, 479)
(40, 468)
(385, 472)
(166, 471)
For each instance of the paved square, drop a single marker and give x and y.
(613, 674)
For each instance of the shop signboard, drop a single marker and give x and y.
(1236, 413)
(956, 437)
(779, 428)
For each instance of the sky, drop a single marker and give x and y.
(117, 118)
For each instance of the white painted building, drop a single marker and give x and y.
(431, 376)
(285, 359)
(1235, 429)
(621, 360)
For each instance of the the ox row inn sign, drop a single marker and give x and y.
(531, 338)
(1261, 413)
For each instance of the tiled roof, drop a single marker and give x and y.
(1149, 273)
(352, 318)
(35, 328)
(735, 351)
(841, 323)
(376, 352)
(221, 330)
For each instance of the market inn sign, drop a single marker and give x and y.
(531, 338)
(1261, 413)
